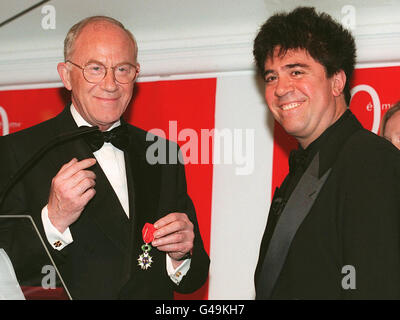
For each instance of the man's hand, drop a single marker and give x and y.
(71, 189)
(174, 235)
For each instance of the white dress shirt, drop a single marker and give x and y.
(112, 162)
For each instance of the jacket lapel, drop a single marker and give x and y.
(106, 211)
(143, 186)
(143, 182)
(296, 209)
(66, 151)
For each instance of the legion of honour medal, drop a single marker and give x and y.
(145, 260)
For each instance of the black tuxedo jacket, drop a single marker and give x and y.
(101, 263)
(350, 202)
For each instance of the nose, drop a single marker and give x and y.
(109, 82)
(284, 85)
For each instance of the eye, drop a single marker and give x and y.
(125, 68)
(297, 72)
(269, 79)
(94, 68)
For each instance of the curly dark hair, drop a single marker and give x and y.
(326, 40)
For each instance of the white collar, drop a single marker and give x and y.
(82, 122)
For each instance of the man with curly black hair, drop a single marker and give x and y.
(333, 228)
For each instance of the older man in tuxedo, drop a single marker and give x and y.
(91, 196)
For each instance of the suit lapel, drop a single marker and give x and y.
(66, 151)
(143, 183)
(296, 209)
(274, 209)
(106, 211)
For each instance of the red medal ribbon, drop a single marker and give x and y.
(148, 233)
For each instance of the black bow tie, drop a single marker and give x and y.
(118, 136)
(297, 160)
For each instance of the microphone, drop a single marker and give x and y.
(62, 138)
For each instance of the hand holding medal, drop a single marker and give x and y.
(172, 234)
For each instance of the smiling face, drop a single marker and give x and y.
(300, 96)
(392, 130)
(101, 104)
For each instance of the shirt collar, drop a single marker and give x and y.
(331, 141)
(82, 122)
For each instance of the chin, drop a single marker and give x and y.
(109, 114)
(292, 128)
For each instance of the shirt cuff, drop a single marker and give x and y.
(57, 239)
(177, 274)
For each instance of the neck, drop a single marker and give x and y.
(324, 124)
(80, 120)
(104, 128)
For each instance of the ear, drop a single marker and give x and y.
(138, 70)
(338, 83)
(65, 75)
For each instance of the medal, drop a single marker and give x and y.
(145, 260)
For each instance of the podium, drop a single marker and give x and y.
(27, 270)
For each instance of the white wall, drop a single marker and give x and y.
(240, 202)
(181, 36)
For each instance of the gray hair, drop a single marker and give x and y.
(77, 28)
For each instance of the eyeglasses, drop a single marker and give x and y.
(94, 72)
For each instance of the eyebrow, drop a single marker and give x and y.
(288, 66)
(96, 61)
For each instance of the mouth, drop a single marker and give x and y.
(107, 99)
(290, 106)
